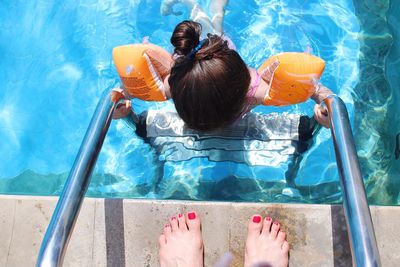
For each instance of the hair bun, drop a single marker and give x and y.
(185, 37)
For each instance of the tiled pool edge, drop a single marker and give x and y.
(124, 232)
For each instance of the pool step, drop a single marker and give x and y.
(124, 232)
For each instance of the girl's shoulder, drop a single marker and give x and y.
(258, 87)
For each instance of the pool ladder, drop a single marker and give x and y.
(359, 223)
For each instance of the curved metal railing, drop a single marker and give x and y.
(361, 232)
(358, 217)
(66, 212)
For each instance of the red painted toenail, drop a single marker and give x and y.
(257, 219)
(191, 215)
(276, 223)
(173, 218)
(180, 215)
(167, 225)
(268, 218)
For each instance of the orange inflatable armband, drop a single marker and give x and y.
(138, 74)
(293, 80)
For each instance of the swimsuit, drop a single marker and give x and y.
(255, 139)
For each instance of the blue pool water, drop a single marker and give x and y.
(56, 61)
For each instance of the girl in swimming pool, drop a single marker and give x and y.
(210, 84)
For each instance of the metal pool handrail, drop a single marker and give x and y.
(364, 249)
(359, 223)
(62, 222)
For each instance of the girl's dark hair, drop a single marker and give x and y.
(208, 88)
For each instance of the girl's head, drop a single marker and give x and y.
(208, 87)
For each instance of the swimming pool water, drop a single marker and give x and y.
(56, 61)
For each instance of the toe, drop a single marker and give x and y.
(255, 225)
(285, 247)
(281, 237)
(274, 230)
(193, 221)
(167, 231)
(182, 222)
(267, 226)
(174, 223)
(162, 240)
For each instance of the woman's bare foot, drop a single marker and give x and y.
(265, 244)
(181, 244)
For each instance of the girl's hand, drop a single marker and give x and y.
(123, 109)
(117, 94)
(321, 115)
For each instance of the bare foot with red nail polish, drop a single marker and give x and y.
(265, 244)
(181, 244)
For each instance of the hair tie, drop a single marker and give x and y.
(197, 48)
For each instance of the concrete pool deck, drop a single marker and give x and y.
(124, 232)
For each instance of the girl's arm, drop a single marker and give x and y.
(265, 82)
(321, 92)
(166, 87)
(163, 66)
